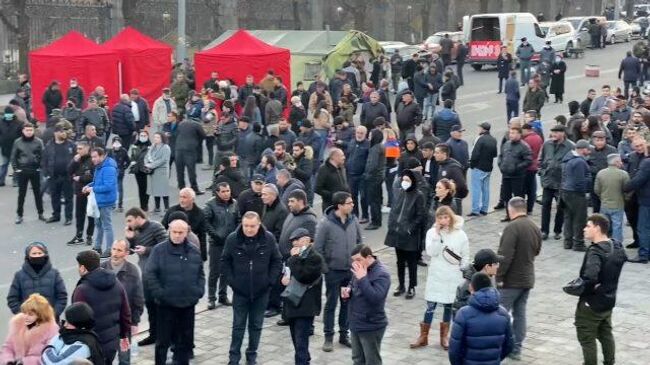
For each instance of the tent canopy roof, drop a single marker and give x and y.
(299, 42)
(131, 39)
(243, 43)
(70, 45)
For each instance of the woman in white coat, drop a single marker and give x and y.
(448, 247)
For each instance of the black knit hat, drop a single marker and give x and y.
(80, 315)
(89, 259)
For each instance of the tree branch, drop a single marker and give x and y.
(5, 20)
(213, 5)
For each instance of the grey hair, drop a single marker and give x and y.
(613, 158)
(189, 191)
(518, 204)
(284, 173)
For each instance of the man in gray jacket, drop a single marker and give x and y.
(337, 233)
(525, 53)
(300, 216)
(550, 172)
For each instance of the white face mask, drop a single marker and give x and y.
(209, 116)
(117, 146)
(406, 185)
(143, 139)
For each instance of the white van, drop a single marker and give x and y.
(486, 33)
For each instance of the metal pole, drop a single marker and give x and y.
(181, 51)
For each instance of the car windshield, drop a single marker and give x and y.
(434, 39)
(575, 23)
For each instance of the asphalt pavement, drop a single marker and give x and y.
(478, 102)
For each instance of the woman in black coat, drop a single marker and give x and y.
(504, 65)
(37, 276)
(52, 98)
(558, 69)
(404, 229)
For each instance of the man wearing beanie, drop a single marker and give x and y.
(481, 332)
(101, 290)
(76, 339)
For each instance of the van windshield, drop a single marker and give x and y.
(486, 29)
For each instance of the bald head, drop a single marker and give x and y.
(337, 157)
(178, 230)
(125, 98)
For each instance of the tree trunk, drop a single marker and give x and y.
(296, 15)
(629, 9)
(483, 5)
(129, 14)
(426, 18)
(21, 29)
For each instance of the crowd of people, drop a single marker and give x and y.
(262, 237)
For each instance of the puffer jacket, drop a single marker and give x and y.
(221, 219)
(481, 334)
(251, 265)
(10, 130)
(335, 240)
(550, 169)
(105, 183)
(123, 120)
(514, 159)
(443, 120)
(47, 282)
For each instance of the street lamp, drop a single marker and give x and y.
(339, 12)
(166, 17)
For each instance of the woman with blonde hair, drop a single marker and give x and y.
(448, 247)
(29, 332)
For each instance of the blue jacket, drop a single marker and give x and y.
(630, 69)
(443, 120)
(481, 334)
(576, 176)
(512, 89)
(641, 183)
(105, 183)
(459, 151)
(368, 298)
(356, 157)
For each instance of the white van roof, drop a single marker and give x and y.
(497, 15)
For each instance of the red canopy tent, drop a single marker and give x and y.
(240, 55)
(72, 56)
(146, 63)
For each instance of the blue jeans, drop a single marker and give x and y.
(480, 191)
(104, 228)
(322, 138)
(524, 65)
(251, 311)
(616, 217)
(300, 329)
(429, 106)
(431, 308)
(334, 280)
(643, 227)
(514, 300)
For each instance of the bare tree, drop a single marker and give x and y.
(129, 12)
(20, 29)
(360, 10)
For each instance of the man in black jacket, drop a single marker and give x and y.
(632, 205)
(251, 199)
(251, 264)
(123, 120)
(630, 69)
(131, 279)
(331, 177)
(187, 205)
(10, 130)
(482, 162)
(355, 164)
(273, 217)
(96, 116)
(26, 157)
(175, 275)
(370, 111)
(101, 290)
(189, 136)
(221, 218)
(303, 167)
(300, 216)
(451, 169)
(513, 161)
(143, 234)
(600, 271)
(56, 157)
(81, 170)
(409, 115)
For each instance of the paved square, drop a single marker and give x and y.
(551, 336)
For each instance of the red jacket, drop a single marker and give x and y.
(535, 143)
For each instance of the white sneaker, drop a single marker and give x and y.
(385, 210)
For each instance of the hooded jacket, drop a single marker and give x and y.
(335, 240)
(251, 265)
(101, 290)
(481, 334)
(406, 217)
(443, 276)
(105, 183)
(46, 282)
(174, 274)
(576, 176)
(376, 163)
(131, 279)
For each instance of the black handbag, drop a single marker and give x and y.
(575, 287)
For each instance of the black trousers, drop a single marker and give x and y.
(215, 274)
(375, 198)
(358, 196)
(186, 159)
(548, 195)
(530, 190)
(209, 145)
(33, 178)
(175, 326)
(410, 259)
(61, 186)
(127, 139)
(632, 214)
(141, 180)
(595, 200)
(575, 217)
(459, 72)
(512, 186)
(80, 216)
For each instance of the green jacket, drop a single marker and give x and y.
(609, 187)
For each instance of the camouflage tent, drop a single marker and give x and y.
(355, 45)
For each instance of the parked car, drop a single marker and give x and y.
(635, 27)
(390, 46)
(561, 34)
(581, 26)
(433, 42)
(618, 31)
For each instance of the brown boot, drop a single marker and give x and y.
(444, 332)
(423, 339)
